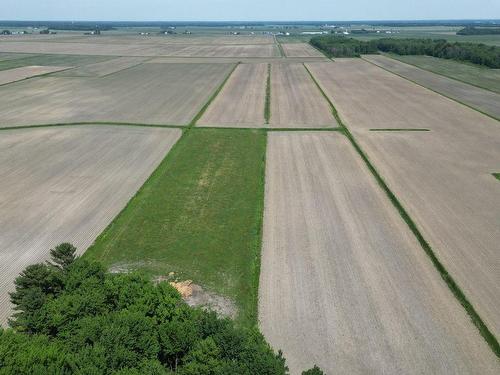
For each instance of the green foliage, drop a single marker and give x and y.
(267, 106)
(198, 215)
(314, 371)
(481, 54)
(63, 255)
(339, 46)
(90, 322)
(471, 30)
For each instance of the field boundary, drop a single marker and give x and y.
(280, 48)
(457, 292)
(93, 123)
(400, 130)
(35, 76)
(257, 256)
(391, 56)
(437, 92)
(267, 105)
(212, 97)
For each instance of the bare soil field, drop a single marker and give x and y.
(169, 39)
(66, 184)
(370, 97)
(71, 48)
(476, 75)
(18, 74)
(245, 50)
(241, 101)
(342, 293)
(442, 177)
(148, 93)
(245, 60)
(296, 101)
(104, 68)
(300, 50)
(142, 49)
(481, 99)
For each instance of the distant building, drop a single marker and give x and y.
(5, 32)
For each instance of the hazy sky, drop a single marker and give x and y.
(245, 10)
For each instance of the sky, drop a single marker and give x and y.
(247, 10)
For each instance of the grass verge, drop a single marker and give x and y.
(483, 329)
(267, 106)
(399, 130)
(92, 123)
(280, 47)
(198, 215)
(212, 98)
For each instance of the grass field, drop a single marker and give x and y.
(199, 215)
(473, 74)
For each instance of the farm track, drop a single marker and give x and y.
(427, 174)
(327, 272)
(68, 183)
(477, 98)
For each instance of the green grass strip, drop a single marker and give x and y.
(92, 123)
(267, 106)
(212, 98)
(399, 130)
(198, 215)
(488, 336)
(282, 51)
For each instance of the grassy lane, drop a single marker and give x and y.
(199, 215)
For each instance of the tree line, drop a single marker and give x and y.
(72, 317)
(480, 54)
(471, 30)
